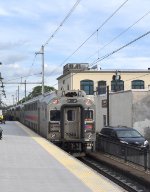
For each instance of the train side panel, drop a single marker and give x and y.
(43, 120)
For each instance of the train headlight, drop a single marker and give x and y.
(53, 135)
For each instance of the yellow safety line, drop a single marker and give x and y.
(89, 177)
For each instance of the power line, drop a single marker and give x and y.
(124, 81)
(89, 36)
(63, 21)
(32, 65)
(43, 46)
(138, 77)
(104, 57)
(54, 33)
(92, 34)
(115, 51)
(23, 77)
(121, 33)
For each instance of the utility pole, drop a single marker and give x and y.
(13, 99)
(25, 83)
(107, 105)
(42, 69)
(16, 96)
(25, 89)
(18, 93)
(42, 53)
(0, 102)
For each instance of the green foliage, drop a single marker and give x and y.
(36, 92)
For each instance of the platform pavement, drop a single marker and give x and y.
(29, 163)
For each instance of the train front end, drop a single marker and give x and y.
(72, 122)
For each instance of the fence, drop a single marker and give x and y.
(139, 156)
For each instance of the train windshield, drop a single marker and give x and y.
(71, 115)
(55, 115)
(88, 114)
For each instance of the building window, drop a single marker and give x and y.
(101, 89)
(117, 85)
(138, 84)
(87, 86)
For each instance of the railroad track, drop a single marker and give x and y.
(129, 184)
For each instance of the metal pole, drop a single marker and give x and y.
(0, 101)
(16, 96)
(42, 69)
(18, 93)
(13, 99)
(107, 105)
(25, 90)
(42, 52)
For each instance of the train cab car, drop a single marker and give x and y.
(71, 122)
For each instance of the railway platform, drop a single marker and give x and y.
(30, 163)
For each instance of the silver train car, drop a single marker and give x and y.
(64, 118)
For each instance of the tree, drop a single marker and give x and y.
(37, 91)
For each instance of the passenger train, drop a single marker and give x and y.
(66, 118)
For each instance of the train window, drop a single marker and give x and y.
(88, 114)
(70, 115)
(55, 115)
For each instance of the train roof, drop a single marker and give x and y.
(46, 97)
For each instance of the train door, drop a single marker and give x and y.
(38, 125)
(72, 123)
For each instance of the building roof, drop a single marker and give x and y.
(90, 70)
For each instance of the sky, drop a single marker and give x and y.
(93, 29)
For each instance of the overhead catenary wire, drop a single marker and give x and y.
(63, 21)
(52, 36)
(137, 77)
(92, 34)
(127, 29)
(96, 31)
(32, 65)
(54, 33)
(22, 77)
(109, 54)
(115, 51)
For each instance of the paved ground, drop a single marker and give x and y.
(29, 163)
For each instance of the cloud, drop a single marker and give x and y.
(3, 12)
(125, 62)
(13, 59)
(26, 26)
(11, 45)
